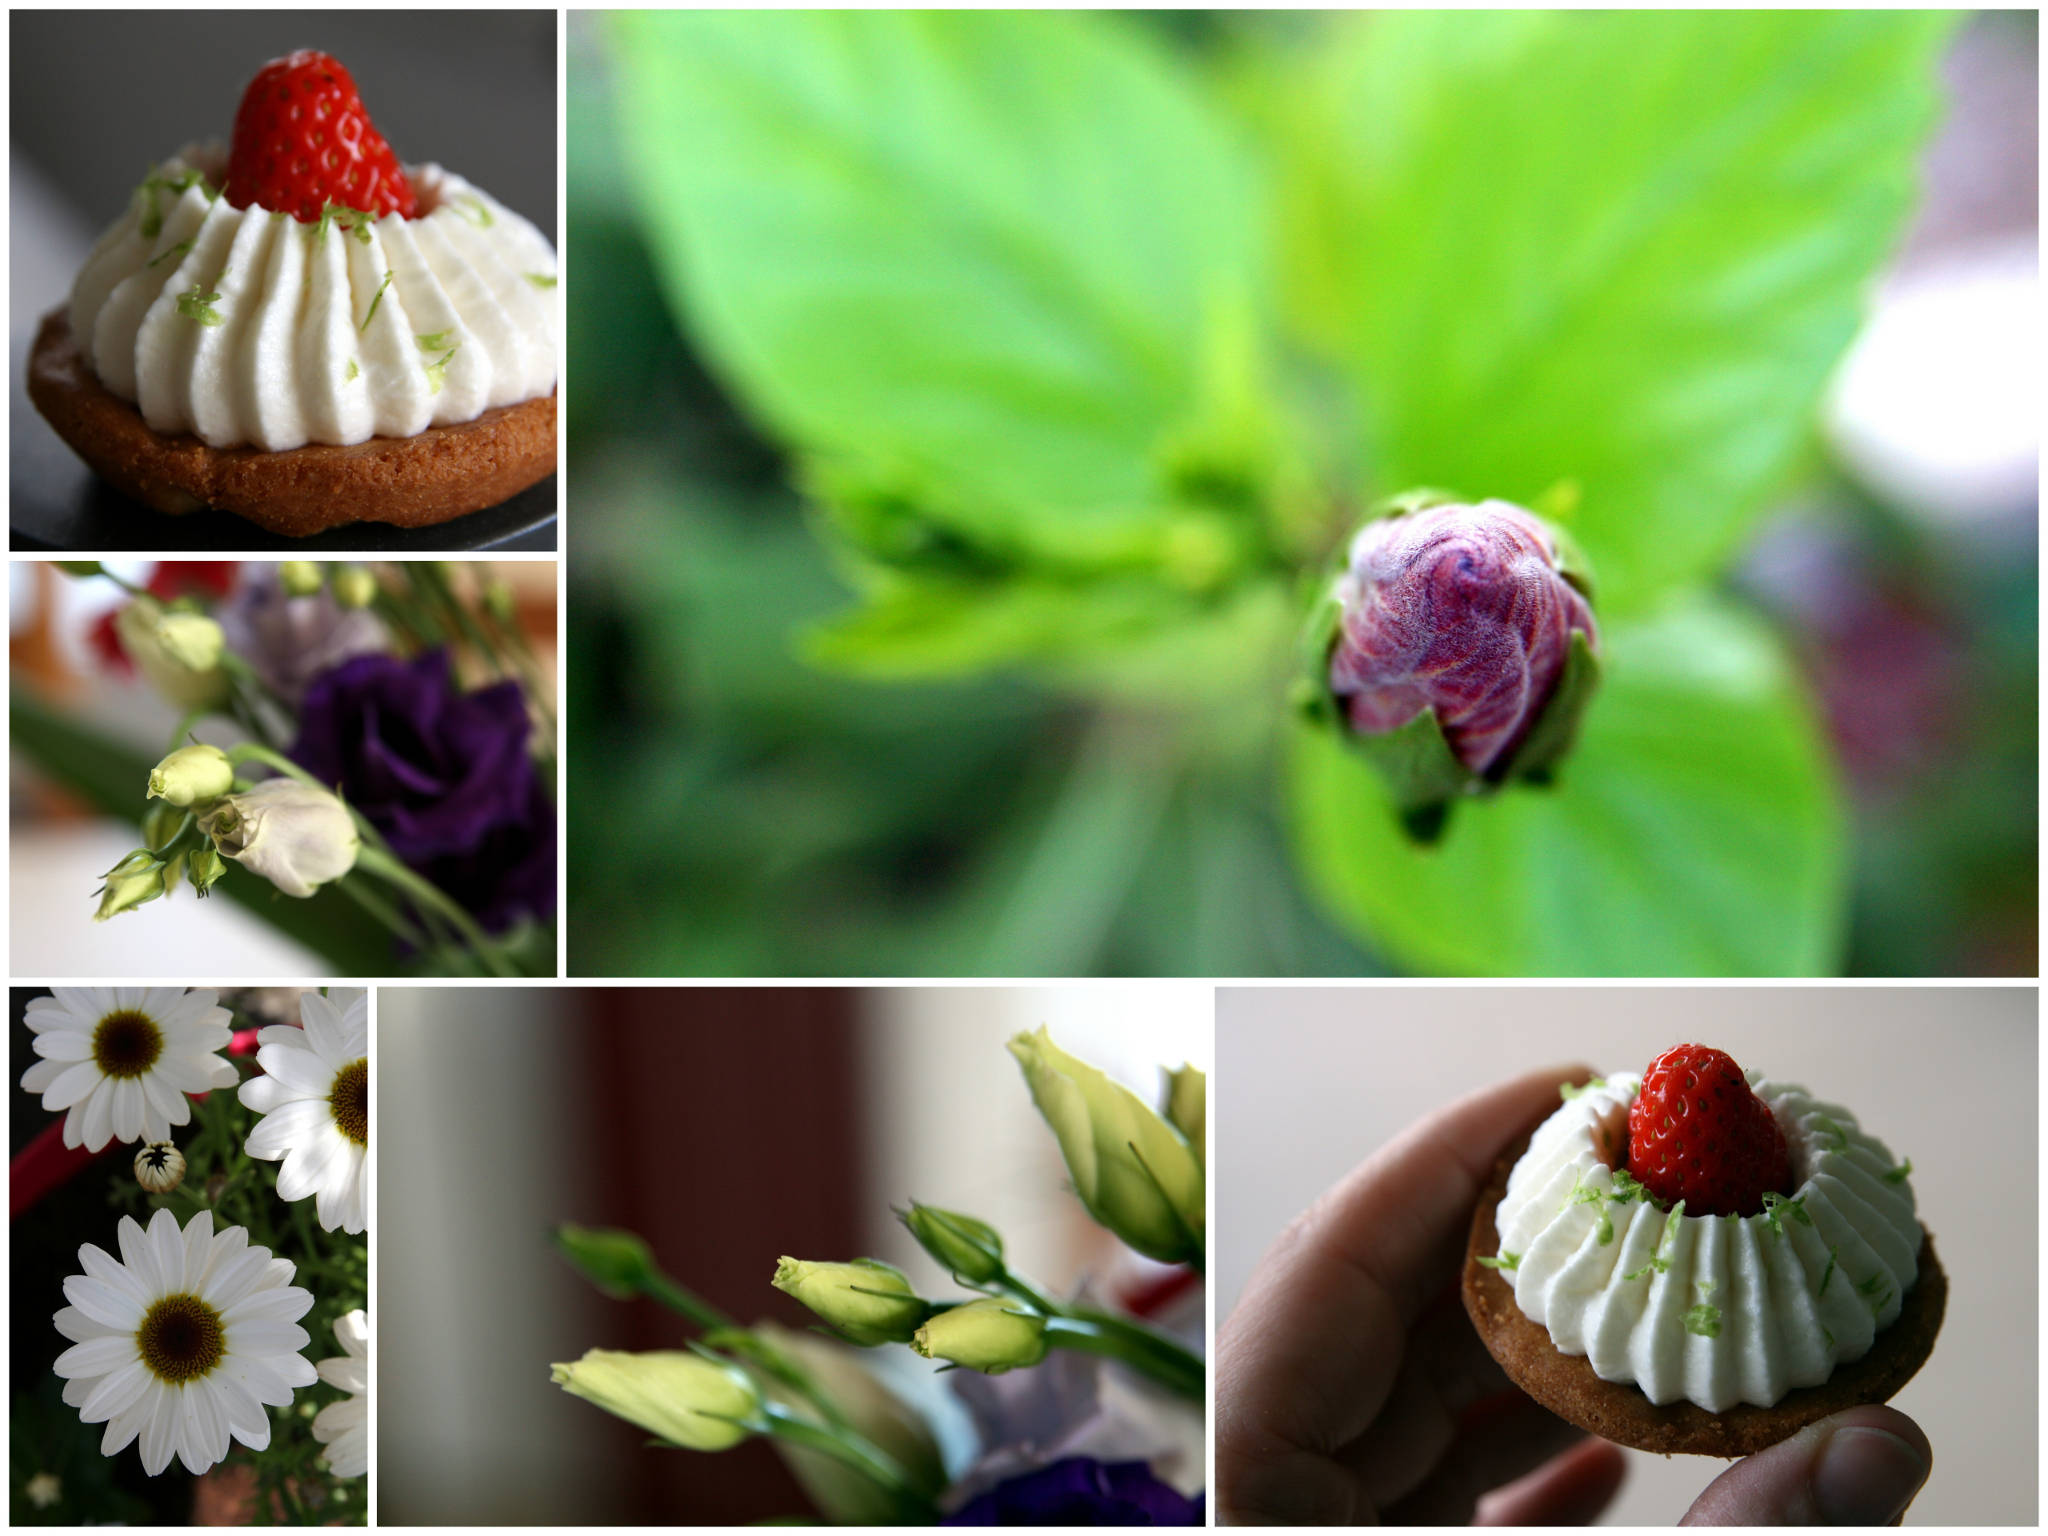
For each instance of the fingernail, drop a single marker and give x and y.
(1865, 1476)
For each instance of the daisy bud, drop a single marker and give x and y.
(1187, 1108)
(135, 880)
(191, 775)
(160, 1167)
(867, 1301)
(972, 1250)
(295, 836)
(354, 587)
(1462, 651)
(689, 1400)
(178, 652)
(300, 578)
(992, 1335)
(1135, 1173)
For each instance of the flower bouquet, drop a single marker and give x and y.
(374, 748)
(231, 1152)
(1084, 1414)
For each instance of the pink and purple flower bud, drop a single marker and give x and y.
(1466, 611)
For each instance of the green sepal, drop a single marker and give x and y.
(1557, 725)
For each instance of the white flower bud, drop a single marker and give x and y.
(295, 836)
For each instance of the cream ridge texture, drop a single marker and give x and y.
(1712, 1310)
(247, 328)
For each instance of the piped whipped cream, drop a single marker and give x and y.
(247, 328)
(1714, 1310)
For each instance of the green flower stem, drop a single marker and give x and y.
(364, 895)
(856, 1451)
(1150, 1354)
(191, 718)
(430, 896)
(1144, 1349)
(375, 857)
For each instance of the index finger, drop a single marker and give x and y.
(1312, 1347)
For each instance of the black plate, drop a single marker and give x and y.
(59, 504)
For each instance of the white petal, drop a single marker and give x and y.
(97, 1357)
(97, 1126)
(63, 1045)
(266, 1336)
(70, 1085)
(102, 1302)
(160, 1428)
(115, 1394)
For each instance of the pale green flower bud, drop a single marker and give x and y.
(205, 866)
(160, 824)
(293, 835)
(688, 1400)
(354, 587)
(992, 1335)
(1187, 1108)
(192, 640)
(971, 1249)
(192, 775)
(1135, 1173)
(179, 653)
(136, 879)
(300, 578)
(869, 1302)
(617, 1263)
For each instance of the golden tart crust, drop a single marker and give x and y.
(413, 482)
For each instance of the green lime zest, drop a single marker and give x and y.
(1841, 1136)
(1875, 1290)
(433, 341)
(541, 279)
(169, 251)
(375, 299)
(1586, 1194)
(1660, 1261)
(1900, 1174)
(437, 370)
(195, 303)
(152, 213)
(1570, 1091)
(1828, 1334)
(1777, 1208)
(1704, 1320)
(473, 209)
(353, 370)
(1828, 1273)
(355, 221)
(1505, 1261)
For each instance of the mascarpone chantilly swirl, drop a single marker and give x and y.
(1713, 1310)
(247, 328)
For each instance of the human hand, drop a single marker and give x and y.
(1351, 1387)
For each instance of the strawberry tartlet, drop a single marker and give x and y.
(1700, 1260)
(305, 332)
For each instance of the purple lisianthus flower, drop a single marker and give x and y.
(1464, 610)
(444, 775)
(1081, 1491)
(288, 641)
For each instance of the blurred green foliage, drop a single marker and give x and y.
(1074, 344)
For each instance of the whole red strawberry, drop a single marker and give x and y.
(303, 140)
(1696, 1133)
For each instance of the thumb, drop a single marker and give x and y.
(1861, 1467)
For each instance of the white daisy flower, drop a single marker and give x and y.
(344, 1427)
(182, 1341)
(122, 1059)
(314, 1097)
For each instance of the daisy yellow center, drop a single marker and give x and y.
(181, 1338)
(350, 1101)
(127, 1043)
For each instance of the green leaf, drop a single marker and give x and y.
(1694, 830)
(1622, 249)
(978, 261)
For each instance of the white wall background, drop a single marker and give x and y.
(1309, 1081)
